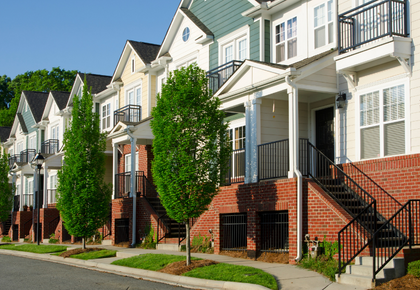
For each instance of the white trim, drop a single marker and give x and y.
(312, 135)
(131, 87)
(234, 38)
(133, 64)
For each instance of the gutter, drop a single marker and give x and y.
(133, 188)
(296, 169)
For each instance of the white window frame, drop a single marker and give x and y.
(384, 84)
(32, 142)
(160, 81)
(19, 147)
(278, 41)
(55, 131)
(127, 158)
(188, 34)
(133, 88)
(106, 116)
(328, 24)
(233, 39)
(236, 124)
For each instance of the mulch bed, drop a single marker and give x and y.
(179, 268)
(79, 251)
(280, 258)
(406, 282)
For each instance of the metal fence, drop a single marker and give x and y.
(122, 229)
(273, 159)
(234, 232)
(27, 155)
(129, 113)
(50, 146)
(219, 75)
(123, 184)
(236, 172)
(275, 232)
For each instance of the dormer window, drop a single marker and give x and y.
(186, 34)
(286, 40)
(323, 24)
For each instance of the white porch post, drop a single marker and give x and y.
(114, 167)
(248, 126)
(22, 182)
(14, 186)
(133, 141)
(46, 199)
(255, 138)
(293, 131)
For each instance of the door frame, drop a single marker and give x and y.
(312, 138)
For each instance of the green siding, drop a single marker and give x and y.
(29, 121)
(254, 50)
(222, 18)
(267, 51)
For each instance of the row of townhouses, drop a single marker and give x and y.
(322, 99)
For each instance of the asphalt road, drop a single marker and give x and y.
(20, 273)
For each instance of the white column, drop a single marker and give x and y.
(114, 167)
(149, 95)
(133, 186)
(248, 126)
(22, 183)
(14, 186)
(255, 138)
(46, 187)
(291, 173)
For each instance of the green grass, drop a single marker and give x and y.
(326, 267)
(95, 255)
(414, 269)
(6, 239)
(153, 262)
(234, 273)
(41, 249)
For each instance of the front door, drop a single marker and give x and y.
(325, 131)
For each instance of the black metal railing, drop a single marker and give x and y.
(129, 113)
(303, 157)
(236, 171)
(273, 159)
(275, 232)
(27, 155)
(234, 232)
(219, 75)
(50, 146)
(16, 203)
(371, 21)
(28, 199)
(52, 196)
(123, 184)
(13, 159)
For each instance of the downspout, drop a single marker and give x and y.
(296, 169)
(13, 174)
(132, 188)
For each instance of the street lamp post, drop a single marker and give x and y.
(38, 161)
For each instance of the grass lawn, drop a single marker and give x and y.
(95, 255)
(234, 273)
(41, 249)
(153, 262)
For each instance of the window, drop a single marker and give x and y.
(186, 34)
(106, 116)
(323, 24)
(133, 65)
(382, 122)
(19, 147)
(55, 132)
(242, 50)
(52, 192)
(17, 192)
(286, 40)
(128, 162)
(237, 137)
(32, 142)
(134, 97)
(235, 50)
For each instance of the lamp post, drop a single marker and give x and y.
(38, 161)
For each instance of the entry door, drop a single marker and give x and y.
(325, 131)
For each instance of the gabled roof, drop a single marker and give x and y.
(22, 122)
(60, 98)
(196, 21)
(37, 102)
(4, 133)
(147, 52)
(98, 83)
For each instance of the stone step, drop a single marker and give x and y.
(387, 273)
(168, 247)
(357, 280)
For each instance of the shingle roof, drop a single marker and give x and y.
(306, 61)
(146, 51)
(275, 65)
(196, 21)
(4, 133)
(37, 102)
(98, 83)
(61, 98)
(260, 1)
(22, 122)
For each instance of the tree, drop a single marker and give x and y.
(40, 81)
(6, 94)
(6, 191)
(191, 147)
(83, 197)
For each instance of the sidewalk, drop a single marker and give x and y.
(289, 277)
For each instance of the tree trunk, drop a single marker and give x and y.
(187, 238)
(84, 243)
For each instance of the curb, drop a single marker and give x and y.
(182, 281)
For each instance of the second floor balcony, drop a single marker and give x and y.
(219, 75)
(50, 146)
(128, 114)
(27, 155)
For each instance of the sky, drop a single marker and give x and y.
(87, 36)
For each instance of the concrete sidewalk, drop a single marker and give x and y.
(289, 277)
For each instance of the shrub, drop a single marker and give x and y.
(6, 239)
(149, 241)
(414, 269)
(201, 244)
(53, 240)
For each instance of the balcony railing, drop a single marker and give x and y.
(273, 159)
(16, 203)
(13, 159)
(52, 196)
(123, 184)
(218, 76)
(28, 199)
(371, 21)
(27, 155)
(236, 172)
(129, 113)
(50, 146)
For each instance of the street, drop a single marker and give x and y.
(22, 273)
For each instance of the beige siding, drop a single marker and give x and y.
(379, 72)
(127, 78)
(415, 79)
(108, 169)
(326, 77)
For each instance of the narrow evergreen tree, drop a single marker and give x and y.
(6, 191)
(191, 147)
(83, 197)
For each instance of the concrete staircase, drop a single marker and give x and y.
(360, 274)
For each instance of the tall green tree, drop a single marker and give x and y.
(6, 192)
(83, 197)
(6, 94)
(191, 146)
(40, 81)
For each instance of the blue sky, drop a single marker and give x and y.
(87, 36)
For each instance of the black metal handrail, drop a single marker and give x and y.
(404, 225)
(27, 230)
(123, 184)
(129, 113)
(236, 171)
(13, 159)
(371, 21)
(50, 146)
(273, 159)
(27, 155)
(16, 203)
(219, 75)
